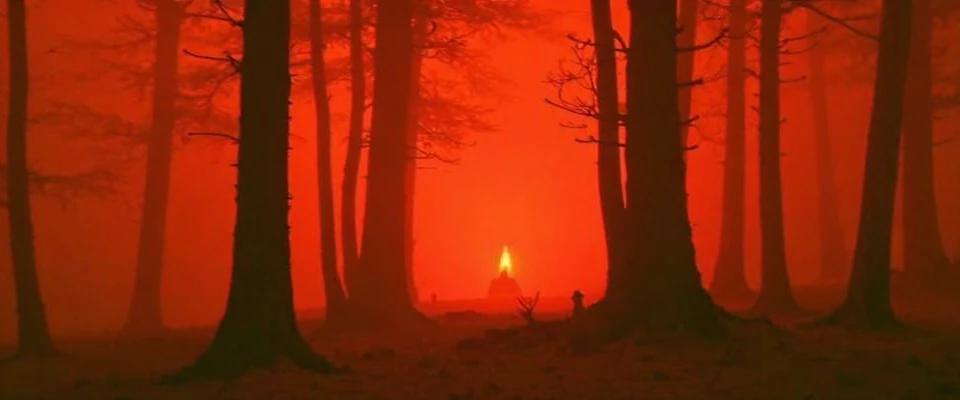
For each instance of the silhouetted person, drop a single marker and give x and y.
(577, 302)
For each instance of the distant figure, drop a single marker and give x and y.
(433, 298)
(577, 302)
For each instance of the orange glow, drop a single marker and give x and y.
(506, 263)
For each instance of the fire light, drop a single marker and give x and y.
(506, 263)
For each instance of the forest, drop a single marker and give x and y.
(480, 199)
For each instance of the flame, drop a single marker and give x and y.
(506, 263)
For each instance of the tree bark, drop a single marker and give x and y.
(685, 63)
(259, 325)
(351, 167)
(729, 280)
(608, 149)
(924, 258)
(868, 293)
(833, 256)
(420, 26)
(145, 313)
(776, 295)
(381, 293)
(335, 298)
(33, 330)
(666, 291)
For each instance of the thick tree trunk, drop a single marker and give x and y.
(335, 298)
(729, 280)
(33, 331)
(351, 167)
(420, 26)
(868, 294)
(381, 294)
(924, 258)
(685, 62)
(776, 295)
(666, 291)
(608, 150)
(259, 325)
(145, 316)
(833, 256)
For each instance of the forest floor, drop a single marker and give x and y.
(758, 362)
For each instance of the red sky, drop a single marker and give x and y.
(528, 186)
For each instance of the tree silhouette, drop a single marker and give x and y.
(729, 280)
(33, 331)
(259, 325)
(867, 302)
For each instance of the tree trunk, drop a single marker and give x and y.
(381, 293)
(729, 280)
(351, 167)
(33, 331)
(868, 294)
(420, 26)
(833, 258)
(685, 63)
(145, 315)
(608, 150)
(259, 325)
(335, 298)
(666, 291)
(776, 295)
(924, 258)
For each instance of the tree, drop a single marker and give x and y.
(145, 316)
(381, 296)
(867, 302)
(685, 62)
(830, 237)
(729, 280)
(335, 297)
(259, 325)
(775, 292)
(924, 258)
(666, 290)
(608, 149)
(33, 330)
(351, 164)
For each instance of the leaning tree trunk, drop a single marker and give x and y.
(868, 294)
(666, 291)
(685, 63)
(729, 280)
(336, 300)
(420, 26)
(33, 331)
(924, 258)
(833, 259)
(776, 295)
(145, 315)
(259, 325)
(351, 165)
(608, 148)
(381, 293)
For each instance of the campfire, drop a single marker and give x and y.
(504, 286)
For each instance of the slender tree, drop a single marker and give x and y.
(351, 165)
(420, 31)
(924, 258)
(775, 292)
(868, 293)
(381, 295)
(259, 325)
(335, 297)
(145, 314)
(608, 149)
(729, 281)
(830, 237)
(33, 330)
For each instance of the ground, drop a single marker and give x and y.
(922, 362)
